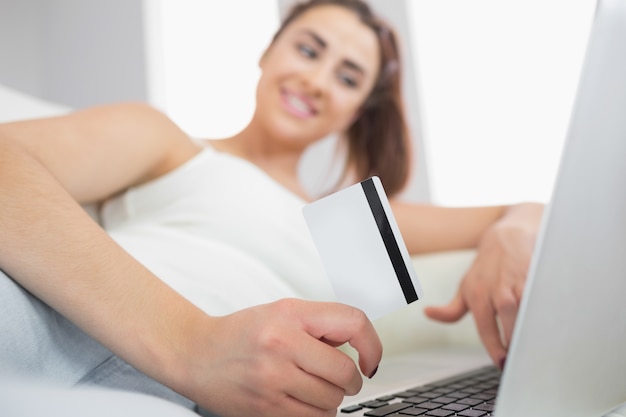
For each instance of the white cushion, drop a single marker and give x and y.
(16, 105)
(409, 329)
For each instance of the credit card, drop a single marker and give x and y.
(362, 249)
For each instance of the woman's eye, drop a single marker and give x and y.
(348, 80)
(307, 51)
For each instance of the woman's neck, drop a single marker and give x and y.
(279, 162)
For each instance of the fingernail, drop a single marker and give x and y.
(502, 363)
(373, 373)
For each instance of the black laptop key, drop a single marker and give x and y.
(413, 411)
(416, 400)
(471, 390)
(470, 401)
(485, 407)
(472, 413)
(351, 409)
(457, 385)
(444, 390)
(431, 394)
(440, 412)
(429, 405)
(374, 404)
(456, 407)
(484, 397)
(458, 394)
(386, 398)
(387, 409)
(444, 400)
(406, 394)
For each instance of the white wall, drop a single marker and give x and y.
(76, 52)
(20, 45)
(203, 59)
(497, 80)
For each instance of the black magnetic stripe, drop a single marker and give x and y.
(390, 241)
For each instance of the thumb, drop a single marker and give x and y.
(336, 324)
(451, 312)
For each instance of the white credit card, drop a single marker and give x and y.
(362, 250)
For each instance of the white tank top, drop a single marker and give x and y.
(221, 232)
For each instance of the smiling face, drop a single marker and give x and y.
(315, 76)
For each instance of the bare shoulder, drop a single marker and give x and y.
(148, 135)
(135, 120)
(169, 141)
(106, 148)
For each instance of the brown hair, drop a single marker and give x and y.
(378, 140)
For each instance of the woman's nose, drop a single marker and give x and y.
(318, 78)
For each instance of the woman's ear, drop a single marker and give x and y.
(357, 114)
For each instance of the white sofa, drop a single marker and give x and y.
(409, 329)
(15, 105)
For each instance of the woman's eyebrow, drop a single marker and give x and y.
(317, 38)
(354, 66)
(322, 44)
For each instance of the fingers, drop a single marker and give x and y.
(324, 375)
(329, 365)
(488, 330)
(485, 318)
(281, 377)
(301, 386)
(507, 305)
(494, 314)
(494, 306)
(338, 324)
(449, 313)
(278, 359)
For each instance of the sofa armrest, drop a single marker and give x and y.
(409, 329)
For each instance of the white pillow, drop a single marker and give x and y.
(16, 105)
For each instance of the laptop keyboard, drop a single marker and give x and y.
(471, 394)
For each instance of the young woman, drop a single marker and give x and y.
(220, 223)
(321, 76)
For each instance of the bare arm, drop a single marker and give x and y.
(504, 238)
(48, 164)
(100, 151)
(428, 228)
(52, 248)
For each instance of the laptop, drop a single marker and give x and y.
(568, 353)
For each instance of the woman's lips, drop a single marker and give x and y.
(298, 105)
